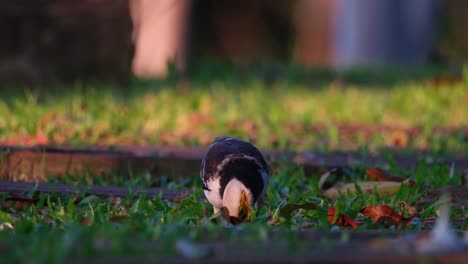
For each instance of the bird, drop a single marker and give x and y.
(234, 176)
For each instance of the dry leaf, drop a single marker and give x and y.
(378, 211)
(19, 205)
(385, 187)
(86, 221)
(342, 220)
(385, 215)
(6, 205)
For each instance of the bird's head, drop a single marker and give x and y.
(238, 199)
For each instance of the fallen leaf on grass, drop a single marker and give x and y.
(387, 216)
(6, 205)
(86, 221)
(382, 214)
(376, 174)
(19, 205)
(341, 219)
(384, 187)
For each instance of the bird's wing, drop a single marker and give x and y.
(202, 176)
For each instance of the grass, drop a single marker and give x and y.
(62, 227)
(272, 114)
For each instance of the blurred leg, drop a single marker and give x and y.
(159, 35)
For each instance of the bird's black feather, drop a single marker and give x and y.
(241, 160)
(246, 171)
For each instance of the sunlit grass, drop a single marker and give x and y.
(163, 113)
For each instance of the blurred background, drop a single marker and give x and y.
(44, 40)
(301, 74)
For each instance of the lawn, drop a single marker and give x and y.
(273, 114)
(55, 228)
(63, 227)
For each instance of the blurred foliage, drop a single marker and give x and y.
(272, 106)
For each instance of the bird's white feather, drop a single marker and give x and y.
(232, 196)
(213, 194)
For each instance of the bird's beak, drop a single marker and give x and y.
(245, 210)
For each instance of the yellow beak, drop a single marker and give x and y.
(245, 210)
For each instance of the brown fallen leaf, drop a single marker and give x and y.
(6, 205)
(378, 211)
(385, 215)
(14, 205)
(342, 220)
(86, 221)
(377, 174)
(19, 205)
